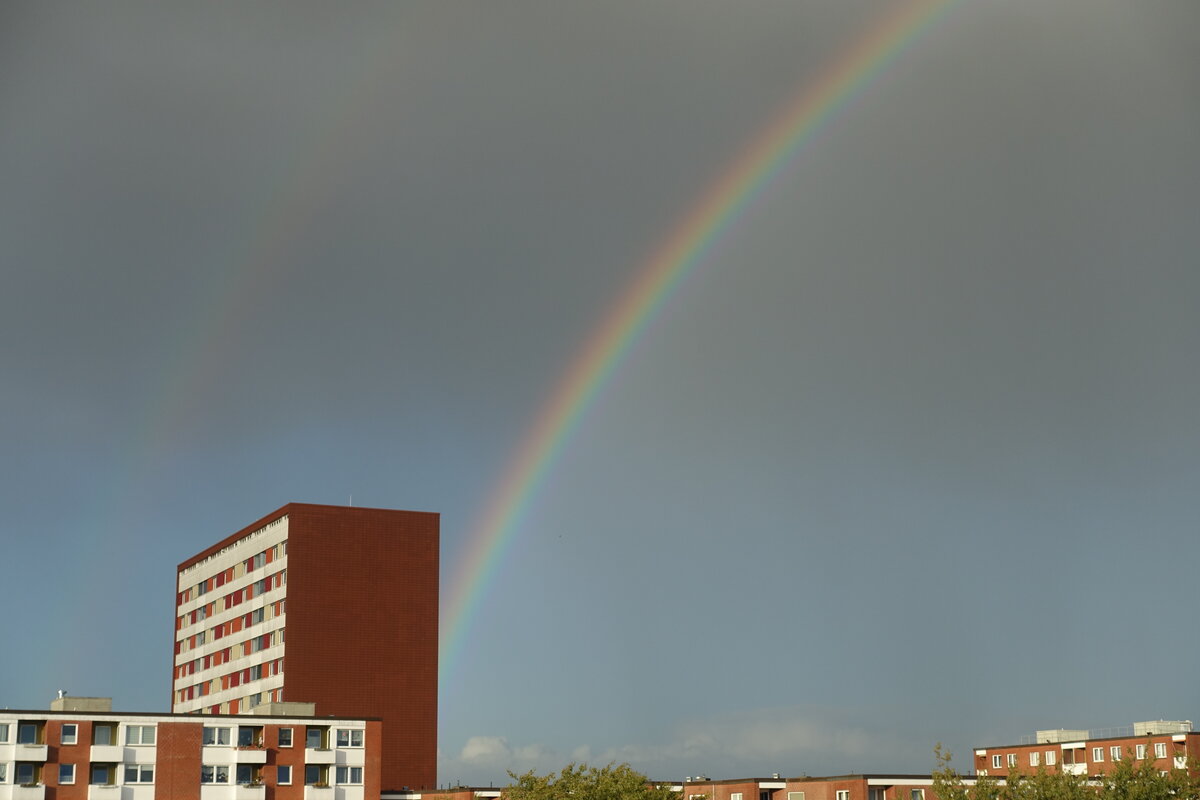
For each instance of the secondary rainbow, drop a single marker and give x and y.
(727, 199)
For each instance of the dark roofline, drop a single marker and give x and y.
(18, 712)
(269, 518)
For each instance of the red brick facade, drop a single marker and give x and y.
(1088, 756)
(361, 625)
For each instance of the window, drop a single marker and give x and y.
(341, 773)
(27, 774)
(29, 733)
(249, 736)
(1012, 759)
(260, 560)
(66, 773)
(139, 773)
(1097, 754)
(139, 734)
(1050, 758)
(316, 738)
(283, 775)
(354, 775)
(70, 733)
(249, 775)
(1141, 752)
(1114, 752)
(103, 774)
(917, 794)
(3, 772)
(3, 732)
(285, 737)
(1160, 749)
(316, 775)
(843, 794)
(104, 733)
(997, 761)
(210, 773)
(795, 795)
(348, 737)
(216, 736)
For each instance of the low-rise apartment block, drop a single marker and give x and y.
(85, 751)
(1169, 744)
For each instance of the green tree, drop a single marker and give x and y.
(581, 782)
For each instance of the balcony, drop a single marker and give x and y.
(104, 791)
(108, 753)
(31, 752)
(313, 792)
(249, 791)
(314, 755)
(1075, 769)
(251, 754)
(19, 792)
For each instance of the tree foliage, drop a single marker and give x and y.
(1129, 779)
(581, 782)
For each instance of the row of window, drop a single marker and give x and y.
(256, 561)
(251, 774)
(315, 736)
(253, 617)
(103, 733)
(252, 645)
(30, 774)
(235, 598)
(1115, 752)
(230, 680)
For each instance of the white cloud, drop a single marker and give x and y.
(790, 741)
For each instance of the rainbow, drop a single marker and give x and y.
(766, 156)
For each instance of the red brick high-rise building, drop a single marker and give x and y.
(331, 605)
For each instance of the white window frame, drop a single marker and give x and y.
(73, 738)
(139, 735)
(3, 772)
(732, 795)
(143, 774)
(1097, 754)
(1012, 760)
(68, 778)
(795, 796)
(280, 780)
(842, 794)
(219, 774)
(345, 776)
(288, 731)
(916, 794)
(1140, 752)
(1115, 752)
(997, 761)
(1051, 758)
(354, 738)
(4, 732)
(1160, 749)
(219, 734)
(1035, 758)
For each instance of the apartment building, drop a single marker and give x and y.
(88, 752)
(1168, 744)
(837, 787)
(330, 605)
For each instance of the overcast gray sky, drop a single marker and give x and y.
(912, 456)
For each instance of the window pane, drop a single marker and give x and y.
(26, 733)
(283, 774)
(66, 773)
(285, 737)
